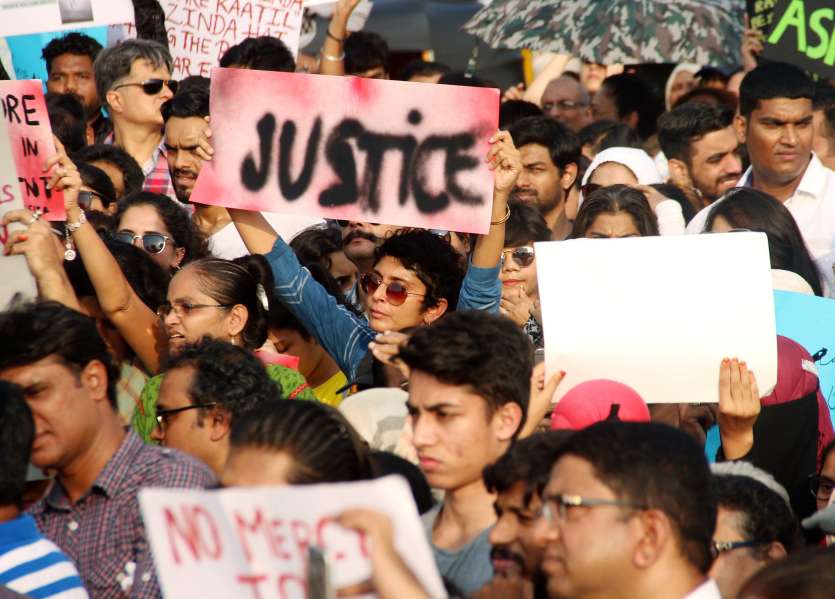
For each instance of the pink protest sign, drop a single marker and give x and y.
(30, 135)
(409, 154)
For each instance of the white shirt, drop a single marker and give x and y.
(813, 208)
(227, 243)
(707, 590)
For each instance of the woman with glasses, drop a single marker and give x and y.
(156, 224)
(822, 483)
(615, 212)
(520, 291)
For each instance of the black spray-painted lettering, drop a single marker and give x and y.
(11, 103)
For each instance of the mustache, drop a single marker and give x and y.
(184, 171)
(358, 234)
(503, 553)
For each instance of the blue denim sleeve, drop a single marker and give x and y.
(344, 335)
(481, 289)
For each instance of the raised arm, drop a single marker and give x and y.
(332, 53)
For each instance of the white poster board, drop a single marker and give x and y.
(20, 17)
(658, 313)
(252, 542)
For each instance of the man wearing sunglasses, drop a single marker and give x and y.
(133, 79)
(630, 512)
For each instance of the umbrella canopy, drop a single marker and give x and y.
(617, 31)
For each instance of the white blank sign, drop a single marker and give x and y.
(658, 313)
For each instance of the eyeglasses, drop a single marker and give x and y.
(153, 243)
(184, 309)
(564, 105)
(86, 197)
(163, 415)
(555, 515)
(445, 235)
(396, 292)
(523, 256)
(152, 86)
(589, 188)
(718, 548)
(821, 486)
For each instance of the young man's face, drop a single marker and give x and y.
(715, 164)
(539, 183)
(732, 568)
(454, 434)
(360, 240)
(516, 549)
(182, 137)
(73, 74)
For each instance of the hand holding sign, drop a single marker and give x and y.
(37, 242)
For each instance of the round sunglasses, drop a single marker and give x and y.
(153, 243)
(523, 256)
(152, 86)
(396, 292)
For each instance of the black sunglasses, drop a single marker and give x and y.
(152, 86)
(153, 243)
(86, 197)
(523, 256)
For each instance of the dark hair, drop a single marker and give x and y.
(712, 75)
(674, 192)
(72, 43)
(316, 244)
(632, 93)
(17, 431)
(68, 120)
(386, 463)
(112, 154)
(226, 375)
(424, 68)
(365, 50)
(657, 467)
(183, 231)
(263, 53)
(461, 78)
(562, 143)
(525, 224)
(807, 574)
(773, 80)
(96, 179)
(115, 62)
(432, 259)
(611, 200)
(824, 97)
(37, 330)
(485, 352)
(235, 282)
(766, 516)
(147, 278)
(748, 208)
(619, 136)
(190, 101)
(529, 461)
(826, 451)
(679, 128)
(515, 110)
(709, 95)
(322, 443)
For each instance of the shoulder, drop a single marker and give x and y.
(165, 467)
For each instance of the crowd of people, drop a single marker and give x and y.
(189, 346)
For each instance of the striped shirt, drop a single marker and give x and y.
(34, 566)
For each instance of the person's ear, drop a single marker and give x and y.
(220, 424)
(179, 254)
(94, 379)
(776, 551)
(432, 314)
(654, 533)
(507, 421)
(569, 176)
(236, 320)
(679, 173)
(113, 101)
(741, 128)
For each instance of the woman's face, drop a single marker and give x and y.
(194, 314)
(141, 220)
(613, 226)
(684, 82)
(827, 472)
(293, 343)
(613, 173)
(517, 271)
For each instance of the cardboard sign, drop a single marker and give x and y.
(349, 148)
(10, 197)
(810, 321)
(803, 34)
(658, 313)
(760, 14)
(30, 135)
(253, 542)
(19, 17)
(200, 31)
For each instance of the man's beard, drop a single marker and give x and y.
(544, 207)
(183, 194)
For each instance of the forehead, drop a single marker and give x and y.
(513, 496)
(729, 523)
(618, 224)
(531, 153)
(783, 109)
(391, 268)
(142, 218)
(72, 62)
(562, 89)
(177, 128)
(36, 372)
(575, 475)
(175, 386)
(186, 284)
(723, 140)
(427, 392)
(140, 66)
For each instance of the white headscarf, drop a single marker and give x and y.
(635, 159)
(686, 67)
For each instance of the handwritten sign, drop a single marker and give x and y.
(658, 313)
(27, 124)
(349, 148)
(810, 321)
(803, 34)
(200, 31)
(19, 17)
(252, 542)
(760, 14)
(10, 197)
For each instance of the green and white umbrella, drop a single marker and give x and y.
(705, 32)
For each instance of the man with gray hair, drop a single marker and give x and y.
(133, 80)
(567, 101)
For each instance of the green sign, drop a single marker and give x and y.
(803, 33)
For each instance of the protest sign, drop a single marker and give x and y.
(19, 17)
(658, 313)
(200, 31)
(30, 135)
(810, 321)
(388, 152)
(253, 542)
(760, 14)
(803, 34)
